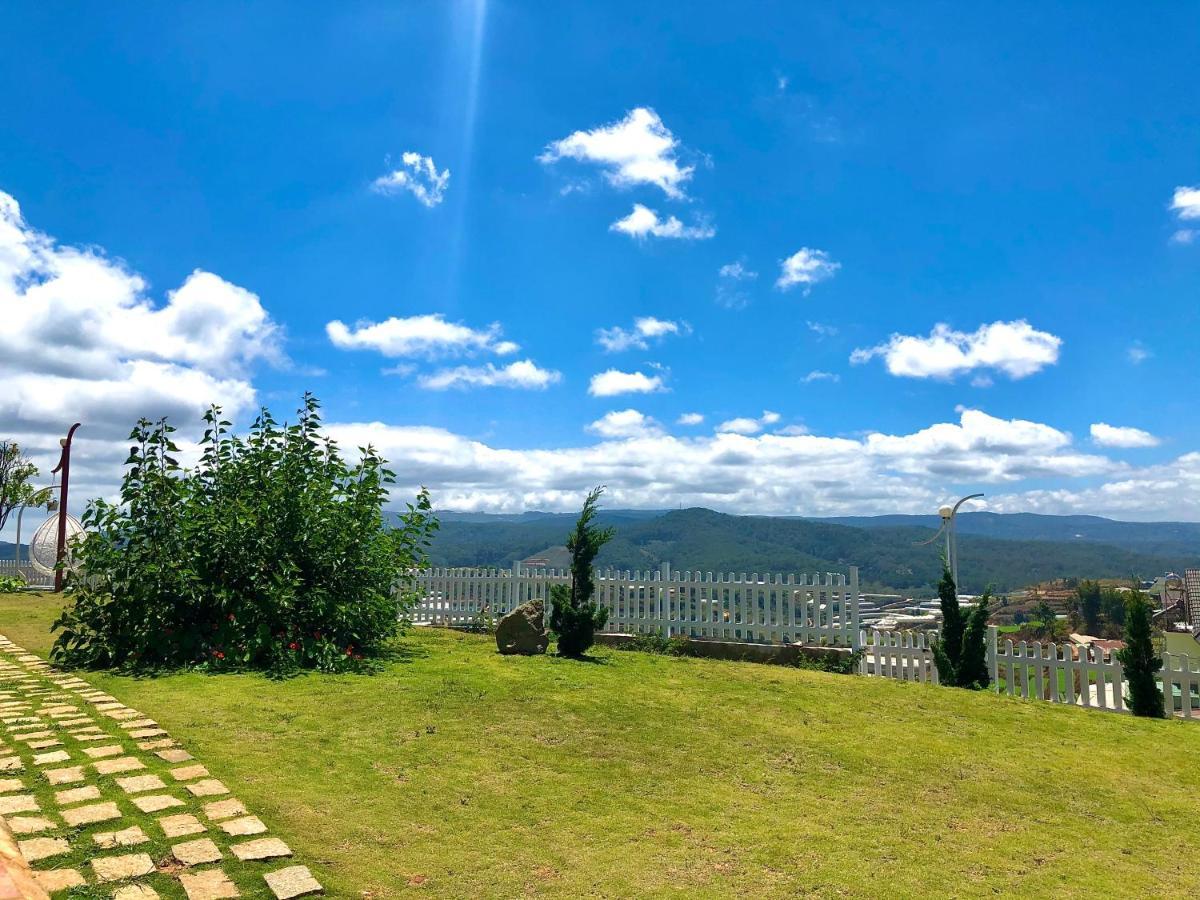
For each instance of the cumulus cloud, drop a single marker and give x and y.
(625, 423)
(638, 149)
(426, 336)
(1122, 436)
(644, 222)
(614, 382)
(523, 374)
(806, 267)
(763, 473)
(745, 425)
(1186, 202)
(645, 329)
(418, 176)
(83, 340)
(1137, 353)
(691, 418)
(1015, 349)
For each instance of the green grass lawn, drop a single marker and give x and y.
(460, 773)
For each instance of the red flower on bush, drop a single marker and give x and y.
(218, 654)
(349, 651)
(231, 617)
(293, 646)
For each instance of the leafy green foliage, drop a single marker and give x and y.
(574, 617)
(960, 653)
(16, 472)
(1139, 660)
(10, 584)
(271, 554)
(1099, 609)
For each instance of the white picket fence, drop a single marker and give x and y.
(1080, 676)
(816, 609)
(8, 567)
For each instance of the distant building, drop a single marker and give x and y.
(1191, 584)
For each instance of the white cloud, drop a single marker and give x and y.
(1138, 353)
(692, 418)
(82, 340)
(807, 267)
(644, 330)
(638, 149)
(625, 423)
(1121, 436)
(424, 336)
(644, 222)
(524, 374)
(1015, 349)
(745, 425)
(731, 280)
(818, 375)
(737, 271)
(419, 176)
(822, 331)
(1186, 202)
(1184, 236)
(613, 382)
(761, 474)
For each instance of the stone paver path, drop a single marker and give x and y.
(98, 794)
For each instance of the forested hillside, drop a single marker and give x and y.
(887, 555)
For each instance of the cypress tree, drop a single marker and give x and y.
(972, 666)
(948, 650)
(1139, 661)
(574, 617)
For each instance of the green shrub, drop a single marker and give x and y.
(10, 584)
(271, 554)
(960, 654)
(837, 664)
(574, 617)
(656, 642)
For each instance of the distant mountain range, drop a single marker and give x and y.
(1006, 551)
(7, 549)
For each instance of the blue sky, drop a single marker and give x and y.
(1016, 177)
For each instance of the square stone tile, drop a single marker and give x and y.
(8, 785)
(75, 723)
(126, 837)
(55, 880)
(211, 884)
(54, 756)
(77, 795)
(103, 752)
(174, 755)
(11, 764)
(223, 809)
(263, 848)
(210, 787)
(294, 881)
(18, 803)
(136, 892)
(120, 764)
(155, 802)
(44, 744)
(40, 734)
(196, 853)
(88, 738)
(29, 824)
(178, 826)
(69, 775)
(138, 784)
(245, 825)
(86, 815)
(156, 744)
(139, 723)
(187, 773)
(146, 732)
(115, 868)
(34, 849)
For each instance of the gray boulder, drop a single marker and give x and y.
(523, 630)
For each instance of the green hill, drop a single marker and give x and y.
(886, 554)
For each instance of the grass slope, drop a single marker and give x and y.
(458, 772)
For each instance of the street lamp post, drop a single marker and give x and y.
(948, 514)
(64, 466)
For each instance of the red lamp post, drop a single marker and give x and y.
(64, 466)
